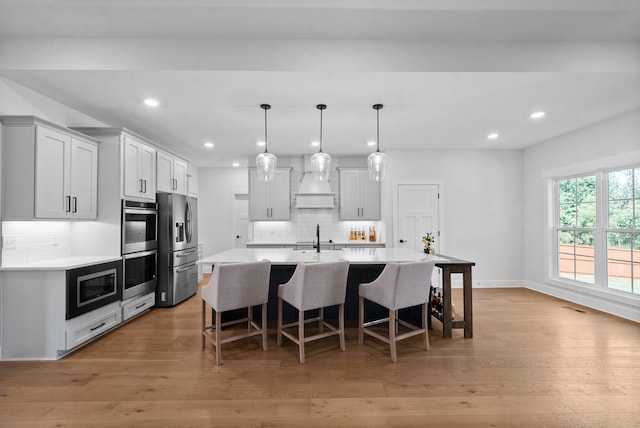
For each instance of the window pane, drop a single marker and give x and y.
(568, 215)
(586, 189)
(619, 275)
(585, 269)
(636, 174)
(636, 278)
(621, 184)
(621, 214)
(567, 190)
(586, 214)
(619, 245)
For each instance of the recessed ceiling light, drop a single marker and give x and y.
(315, 143)
(493, 136)
(537, 115)
(371, 143)
(235, 164)
(208, 145)
(260, 143)
(151, 102)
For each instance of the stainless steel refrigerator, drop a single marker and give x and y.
(177, 248)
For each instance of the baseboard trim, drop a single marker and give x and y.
(613, 306)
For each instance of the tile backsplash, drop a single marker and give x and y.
(33, 241)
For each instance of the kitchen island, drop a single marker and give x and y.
(365, 266)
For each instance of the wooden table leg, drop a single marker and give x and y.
(467, 284)
(446, 302)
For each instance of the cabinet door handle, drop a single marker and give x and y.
(97, 327)
(141, 305)
(75, 204)
(141, 184)
(145, 186)
(68, 204)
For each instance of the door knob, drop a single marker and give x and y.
(237, 236)
(402, 241)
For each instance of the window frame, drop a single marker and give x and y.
(601, 230)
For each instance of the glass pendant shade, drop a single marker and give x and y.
(377, 166)
(377, 161)
(321, 165)
(265, 162)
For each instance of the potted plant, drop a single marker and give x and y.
(427, 241)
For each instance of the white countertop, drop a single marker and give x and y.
(286, 256)
(63, 263)
(292, 243)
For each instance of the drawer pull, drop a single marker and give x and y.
(141, 305)
(99, 326)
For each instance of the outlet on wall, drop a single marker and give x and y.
(9, 242)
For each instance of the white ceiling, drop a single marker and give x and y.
(448, 72)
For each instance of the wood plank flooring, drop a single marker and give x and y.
(534, 361)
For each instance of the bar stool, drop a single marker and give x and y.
(314, 286)
(399, 286)
(235, 286)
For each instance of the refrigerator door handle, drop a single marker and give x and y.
(182, 269)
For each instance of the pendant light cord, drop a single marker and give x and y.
(265, 131)
(320, 130)
(377, 108)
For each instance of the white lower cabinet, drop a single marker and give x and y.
(137, 305)
(85, 327)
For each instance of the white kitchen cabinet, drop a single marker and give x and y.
(139, 169)
(359, 196)
(270, 200)
(192, 180)
(50, 172)
(171, 174)
(137, 305)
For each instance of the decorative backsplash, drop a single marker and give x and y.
(33, 241)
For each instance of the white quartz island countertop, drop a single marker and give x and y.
(287, 256)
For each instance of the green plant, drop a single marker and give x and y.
(427, 240)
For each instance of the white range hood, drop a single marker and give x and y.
(313, 193)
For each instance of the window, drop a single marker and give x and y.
(623, 231)
(597, 229)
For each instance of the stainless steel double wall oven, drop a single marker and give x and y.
(139, 248)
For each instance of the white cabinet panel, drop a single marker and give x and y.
(171, 174)
(139, 170)
(270, 200)
(138, 305)
(359, 196)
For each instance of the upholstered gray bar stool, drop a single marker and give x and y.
(235, 286)
(314, 286)
(399, 286)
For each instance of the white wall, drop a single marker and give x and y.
(482, 200)
(579, 152)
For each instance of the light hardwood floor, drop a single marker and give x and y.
(534, 361)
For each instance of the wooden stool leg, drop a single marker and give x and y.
(425, 312)
(204, 321)
(360, 319)
(341, 326)
(301, 335)
(279, 326)
(392, 335)
(218, 344)
(249, 318)
(321, 321)
(264, 327)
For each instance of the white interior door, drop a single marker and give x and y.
(418, 213)
(240, 216)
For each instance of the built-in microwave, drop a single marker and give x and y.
(139, 273)
(139, 226)
(91, 287)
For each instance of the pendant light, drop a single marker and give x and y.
(265, 162)
(321, 162)
(377, 160)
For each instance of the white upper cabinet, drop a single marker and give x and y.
(270, 200)
(359, 196)
(50, 172)
(171, 174)
(192, 180)
(139, 169)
